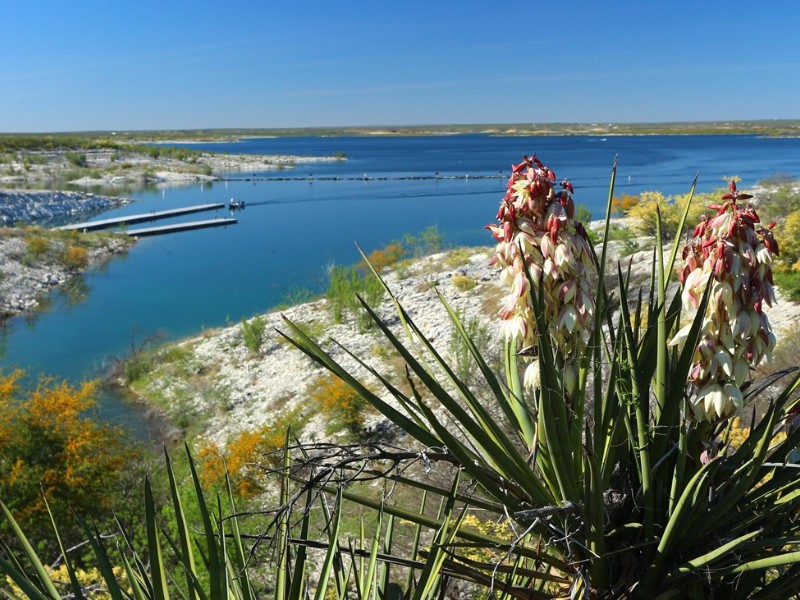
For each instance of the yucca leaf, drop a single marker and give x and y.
(495, 446)
(681, 225)
(224, 564)
(695, 565)
(23, 581)
(186, 554)
(31, 555)
(157, 567)
(282, 529)
(239, 557)
(412, 516)
(369, 577)
(426, 586)
(133, 579)
(684, 509)
(517, 414)
(333, 549)
(210, 537)
(313, 351)
(77, 589)
(384, 577)
(298, 575)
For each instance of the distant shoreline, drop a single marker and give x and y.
(768, 128)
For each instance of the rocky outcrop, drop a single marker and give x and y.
(25, 277)
(43, 206)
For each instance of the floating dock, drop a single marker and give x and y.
(140, 218)
(188, 226)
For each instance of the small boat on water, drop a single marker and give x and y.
(235, 204)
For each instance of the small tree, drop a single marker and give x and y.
(51, 447)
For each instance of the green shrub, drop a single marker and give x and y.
(137, 367)
(253, 333)
(788, 282)
(76, 159)
(37, 246)
(428, 241)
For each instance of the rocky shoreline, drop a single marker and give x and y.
(32, 262)
(40, 206)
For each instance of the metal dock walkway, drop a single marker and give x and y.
(140, 218)
(188, 226)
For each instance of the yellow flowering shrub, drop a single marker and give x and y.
(344, 407)
(91, 580)
(245, 454)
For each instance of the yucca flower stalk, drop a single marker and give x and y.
(731, 253)
(539, 244)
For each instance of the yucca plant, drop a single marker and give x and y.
(608, 448)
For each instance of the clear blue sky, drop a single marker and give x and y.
(121, 65)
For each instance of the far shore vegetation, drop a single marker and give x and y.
(113, 139)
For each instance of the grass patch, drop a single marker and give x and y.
(462, 361)
(344, 286)
(463, 283)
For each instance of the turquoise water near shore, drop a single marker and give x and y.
(299, 221)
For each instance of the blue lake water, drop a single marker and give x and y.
(299, 221)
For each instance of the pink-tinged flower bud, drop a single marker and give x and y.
(521, 286)
(563, 255)
(707, 346)
(699, 230)
(696, 373)
(566, 292)
(547, 247)
(772, 245)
